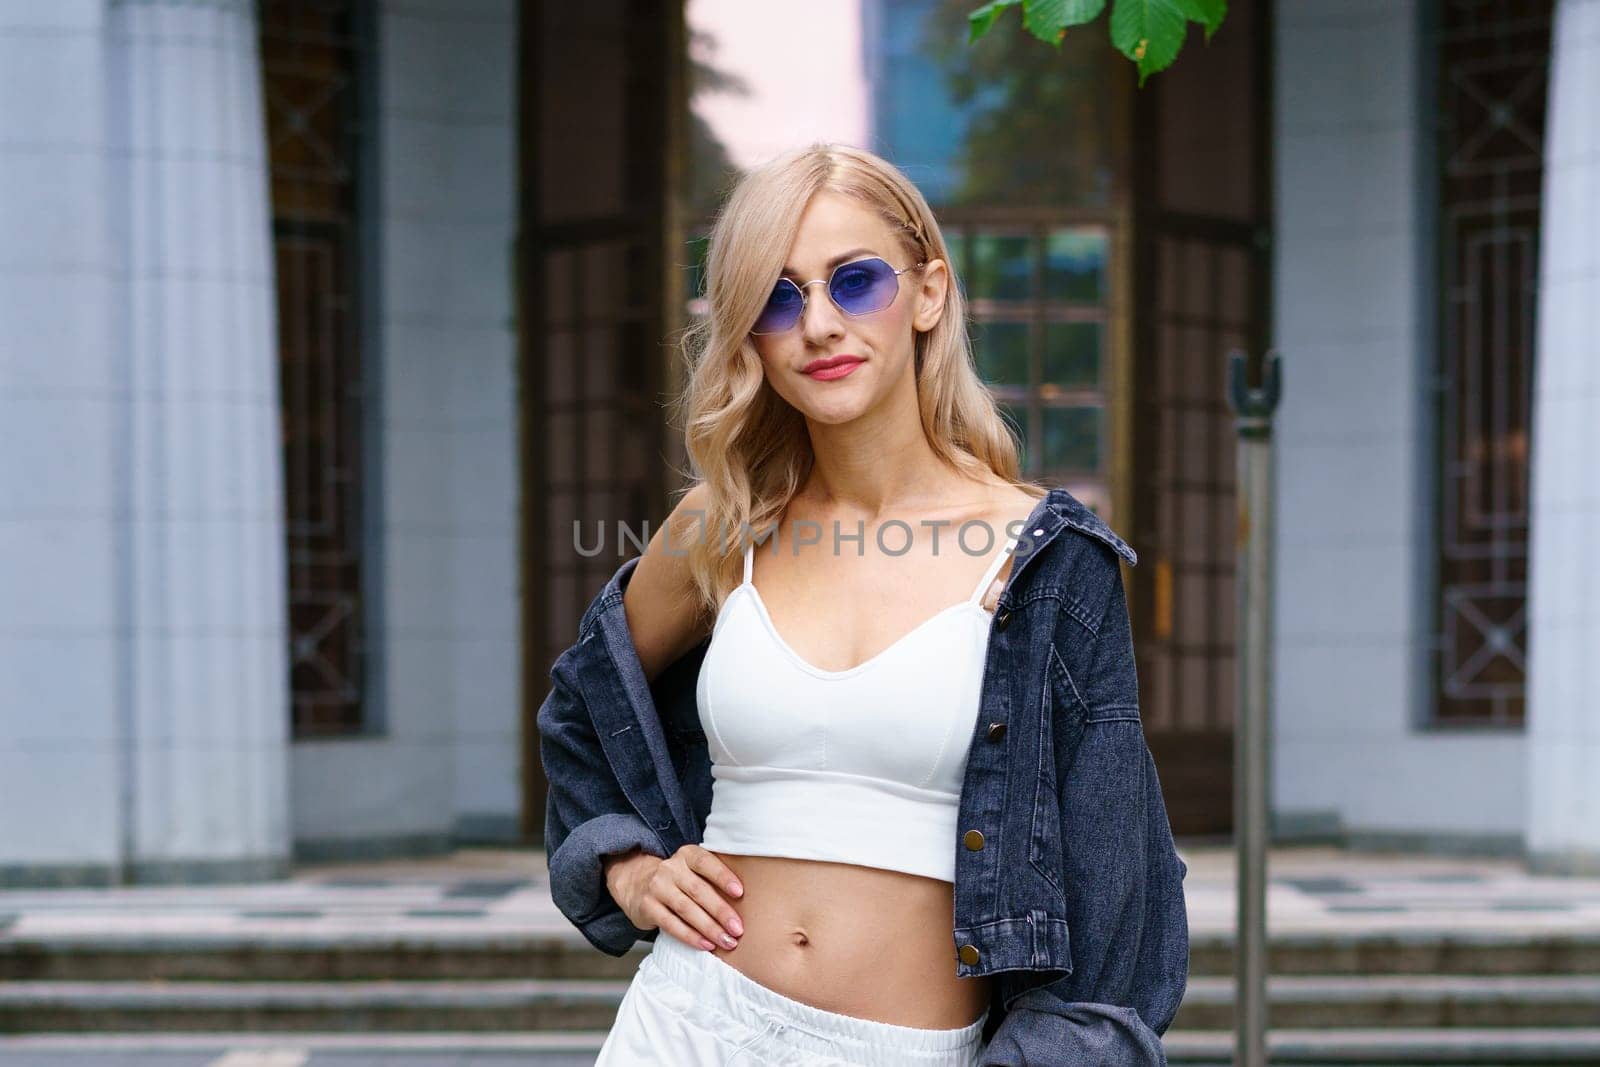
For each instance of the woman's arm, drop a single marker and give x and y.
(587, 816)
(591, 829)
(663, 616)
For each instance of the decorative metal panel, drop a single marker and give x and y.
(311, 55)
(1492, 64)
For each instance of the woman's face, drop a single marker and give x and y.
(879, 346)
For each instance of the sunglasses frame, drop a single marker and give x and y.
(805, 295)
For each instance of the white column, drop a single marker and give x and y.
(1563, 832)
(143, 706)
(59, 410)
(202, 466)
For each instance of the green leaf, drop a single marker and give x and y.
(1048, 19)
(1209, 13)
(979, 20)
(1149, 32)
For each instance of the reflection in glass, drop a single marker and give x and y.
(956, 241)
(1001, 351)
(710, 168)
(1075, 265)
(1002, 267)
(699, 247)
(1072, 354)
(1035, 122)
(1072, 438)
(1017, 417)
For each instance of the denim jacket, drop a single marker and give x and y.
(1073, 899)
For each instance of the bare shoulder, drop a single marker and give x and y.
(660, 602)
(1008, 510)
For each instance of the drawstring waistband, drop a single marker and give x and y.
(773, 1027)
(725, 997)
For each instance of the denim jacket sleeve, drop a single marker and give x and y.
(1124, 884)
(587, 816)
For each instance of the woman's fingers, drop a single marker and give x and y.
(671, 924)
(680, 885)
(705, 862)
(716, 907)
(690, 911)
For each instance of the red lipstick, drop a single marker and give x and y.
(826, 370)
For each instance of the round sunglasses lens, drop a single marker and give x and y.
(865, 286)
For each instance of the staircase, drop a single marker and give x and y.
(1463, 997)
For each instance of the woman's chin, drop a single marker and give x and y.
(835, 411)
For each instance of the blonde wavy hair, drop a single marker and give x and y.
(749, 445)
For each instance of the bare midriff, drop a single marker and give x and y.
(859, 941)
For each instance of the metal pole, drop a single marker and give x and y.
(1253, 410)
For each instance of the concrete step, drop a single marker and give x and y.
(1324, 1004)
(334, 957)
(477, 954)
(341, 1007)
(510, 1049)
(1480, 1047)
(1474, 1047)
(1336, 1002)
(1420, 951)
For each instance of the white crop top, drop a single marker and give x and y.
(859, 766)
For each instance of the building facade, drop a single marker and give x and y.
(323, 320)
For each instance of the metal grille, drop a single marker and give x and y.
(1204, 276)
(1492, 65)
(311, 55)
(1202, 288)
(597, 94)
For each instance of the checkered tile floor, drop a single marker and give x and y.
(484, 891)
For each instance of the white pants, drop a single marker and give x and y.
(687, 1007)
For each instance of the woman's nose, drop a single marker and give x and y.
(820, 317)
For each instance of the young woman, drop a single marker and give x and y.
(811, 771)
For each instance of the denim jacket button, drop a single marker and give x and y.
(1002, 620)
(969, 955)
(997, 730)
(973, 840)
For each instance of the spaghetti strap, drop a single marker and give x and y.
(749, 561)
(992, 570)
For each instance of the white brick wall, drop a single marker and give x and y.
(1353, 478)
(449, 647)
(141, 542)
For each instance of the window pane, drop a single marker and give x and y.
(1072, 438)
(1017, 416)
(957, 243)
(1001, 350)
(1072, 354)
(1075, 265)
(1000, 268)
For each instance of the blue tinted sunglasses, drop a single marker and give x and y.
(859, 287)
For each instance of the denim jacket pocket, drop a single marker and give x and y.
(1061, 716)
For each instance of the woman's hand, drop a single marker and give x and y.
(680, 895)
